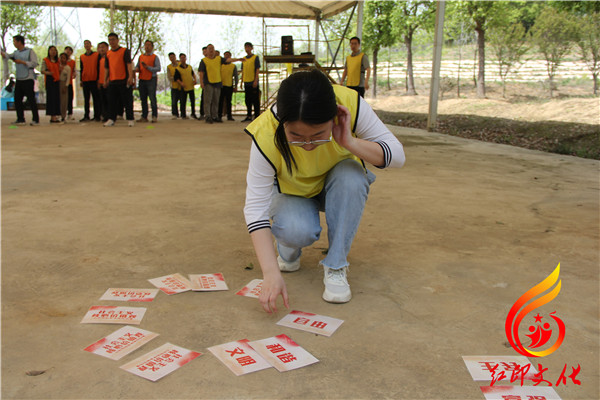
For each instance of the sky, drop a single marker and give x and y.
(207, 28)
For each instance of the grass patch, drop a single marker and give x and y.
(581, 140)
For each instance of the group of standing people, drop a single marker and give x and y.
(218, 78)
(59, 71)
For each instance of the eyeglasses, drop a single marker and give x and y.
(315, 142)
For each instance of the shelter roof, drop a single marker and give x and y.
(296, 9)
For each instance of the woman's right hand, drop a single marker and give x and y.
(273, 285)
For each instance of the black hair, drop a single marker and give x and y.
(151, 42)
(355, 38)
(171, 53)
(204, 48)
(63, 54)
(182, 54)
(49, 57)
(102, 43)
(113, 34)
(248, 44)
(305, 96)
(69, 47)
(87, 40)
(19, 38)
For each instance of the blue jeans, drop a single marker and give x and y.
(296, 219)
(148, 89)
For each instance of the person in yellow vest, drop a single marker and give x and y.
(148, 67)
(308, 155)
(71, 62)
(119, 78)
(210, 67)
(356, 65)
(175, 88)
(186, 80)
(88, 65)
(229, 76)
(250, 70)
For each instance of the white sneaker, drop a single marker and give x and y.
(337, 289)
(108, 123)
(131, 123)
(288, 266)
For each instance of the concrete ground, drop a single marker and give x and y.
(447, 244)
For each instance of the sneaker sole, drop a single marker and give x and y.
(288, 267)
(336, 298)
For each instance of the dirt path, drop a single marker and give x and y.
(446, 246)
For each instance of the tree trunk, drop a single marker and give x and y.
(595, 76)
(375, 51)
(410, 87)
(458, 72)
(481, 62)
(550, 84)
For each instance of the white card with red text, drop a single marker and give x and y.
(500, 368)
(283, 353)
(309, 322)
(252, 289)
(208, 282)
(114, 315)
(172, 284)
(239, 357)
(519, 393)
(124, 294)
(121, 342)
(160, 362)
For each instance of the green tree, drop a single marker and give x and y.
(407, 18)
(554, 33)
(377, 30)
(20, 20)
(480, 15)
(588, 41)
(509, 45)
(134, 28)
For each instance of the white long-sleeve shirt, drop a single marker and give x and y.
(261, 175)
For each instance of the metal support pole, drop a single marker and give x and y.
(437, 61)
(317, 23)
(359, 22)
(112, 16)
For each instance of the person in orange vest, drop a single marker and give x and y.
(88, 65)
(51, 70)
(71, 63)
(229, 76)
(119, 79)
(102, 91)
(148, 66)
(356, 65)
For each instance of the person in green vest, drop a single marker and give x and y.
(308, 155)
(356, 65)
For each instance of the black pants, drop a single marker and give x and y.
(202, 103)
(252, 95)
(70, 101)
(24, 88)
(52, 97)
(183, 100)
(105, 104)
(359, 89)
(226, 94)
(175, 95)
(116, 92)
(91, 87)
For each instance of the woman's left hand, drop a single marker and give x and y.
(341, 129)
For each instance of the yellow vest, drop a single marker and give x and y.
(186, 77)
(227, 74)
(248, 69)
(171, 71)
(213, 69)
(354, 65)
(309, 178)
